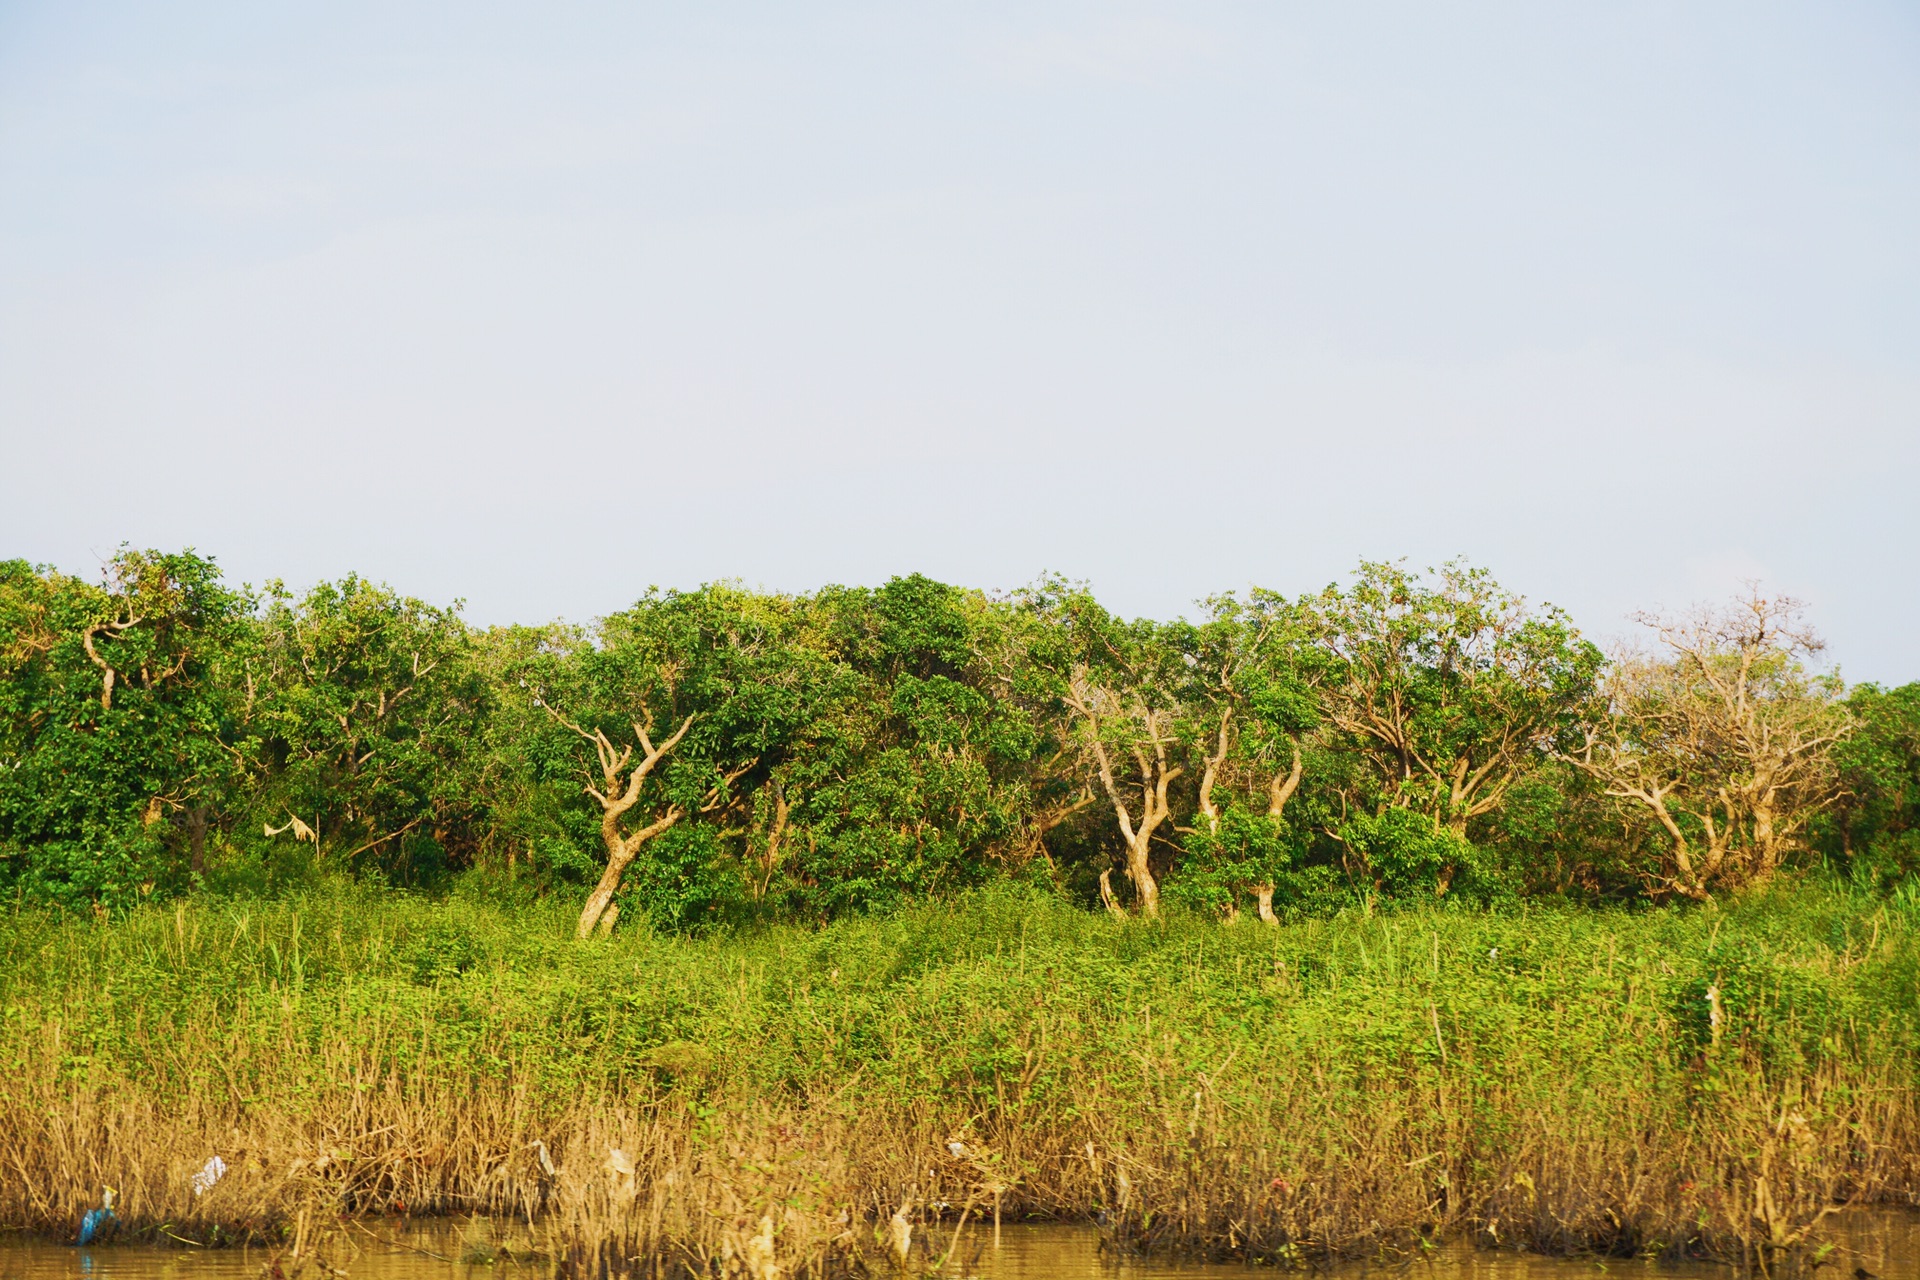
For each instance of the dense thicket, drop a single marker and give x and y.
(719, 754)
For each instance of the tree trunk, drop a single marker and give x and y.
(1279, 790)
(1155, 776)
(616, 800)
(601, 899)
(1211, 773)
(197, 839)
(1146, 891)
(770, 861)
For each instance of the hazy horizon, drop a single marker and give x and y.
(540, 308)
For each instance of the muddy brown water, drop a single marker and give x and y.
(1881, 1243)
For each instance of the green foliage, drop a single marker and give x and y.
(685, 882)
(1400, 738)
(524, 768)
(1556, 834)
(955, 1001)
(912, 779)
(1874, 830)
(117, 728)
(1453, 690)
(1223, 865)
(1403, 853)
(362, 705)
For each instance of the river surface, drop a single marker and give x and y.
(1885, 1244)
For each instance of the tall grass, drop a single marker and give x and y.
(1551, 1079)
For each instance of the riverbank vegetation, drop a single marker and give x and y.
(757, 934)
(1678, 1080)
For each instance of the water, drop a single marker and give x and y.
(1883, 1243)
(1068, 1253)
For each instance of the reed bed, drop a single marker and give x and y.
(798, 1103)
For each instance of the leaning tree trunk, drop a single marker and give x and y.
(620, 854)
(601, 899)
(622, 781)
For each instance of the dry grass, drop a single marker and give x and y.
(679, 1185)
(1748, 1167)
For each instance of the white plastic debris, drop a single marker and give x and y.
(900, 1233)
(759, 1252)
(620, 1180)
(211, 1172)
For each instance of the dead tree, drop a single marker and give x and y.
(1725, 741)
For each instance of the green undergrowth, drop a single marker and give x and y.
(270, 1002)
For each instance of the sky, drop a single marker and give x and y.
(534, 306)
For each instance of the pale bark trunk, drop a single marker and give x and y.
(615, 801)
(1146, 890)
(620, 855)
(108, 675)
(1211, 774)
(770, 862)
(1279, 791)
(1155, 777)
(600, 901)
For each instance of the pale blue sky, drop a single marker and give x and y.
(536, 305)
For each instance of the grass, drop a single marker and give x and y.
(1542, 1078)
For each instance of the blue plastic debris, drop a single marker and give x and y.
(98, 1222)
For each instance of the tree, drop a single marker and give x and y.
(1120, 685)
(680, 697)
(1874, 826)
(915, 769)
(1454, 690)
(623, 780)
(116, 735)
(1252, 695)
(367, 710)
(1723, 737)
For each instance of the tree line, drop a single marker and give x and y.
(722, 754)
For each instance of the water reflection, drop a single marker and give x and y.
(1885, 1244)
(1069, 1253)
